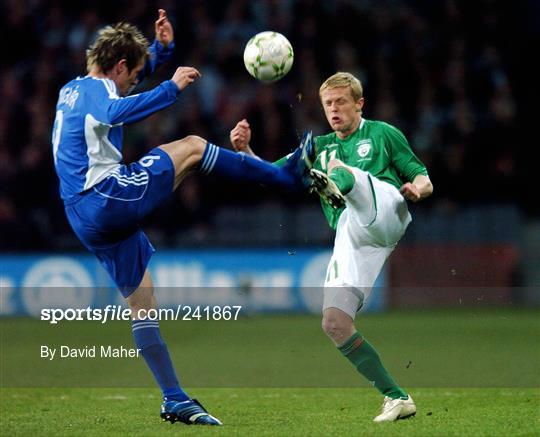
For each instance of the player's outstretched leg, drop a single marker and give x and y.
(177, 405)
(194, 152)
(294, 174)
(239, 166)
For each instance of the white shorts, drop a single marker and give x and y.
(368, 230)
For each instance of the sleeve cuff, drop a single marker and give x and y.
(172, 88)
(160, 48)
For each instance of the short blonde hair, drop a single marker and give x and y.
(114, 43)
(342, 79)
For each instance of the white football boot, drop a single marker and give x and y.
(394, 409)
(327, 189)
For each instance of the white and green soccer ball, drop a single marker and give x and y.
(268, 56)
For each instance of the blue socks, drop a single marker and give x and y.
(239, 166)
(153, 349)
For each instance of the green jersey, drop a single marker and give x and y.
(375, 147)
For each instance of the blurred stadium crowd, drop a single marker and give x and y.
(444, 72)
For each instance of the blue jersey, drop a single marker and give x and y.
(87, 133)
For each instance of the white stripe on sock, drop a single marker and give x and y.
(211, 151)
(206, 158)
(136, 328)
(214, 159)
(143, 321)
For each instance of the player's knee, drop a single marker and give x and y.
(195, 146)
(141, 301)
(187, 152)
(195, 143)
(337, 328)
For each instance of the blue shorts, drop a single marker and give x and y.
(106, 217)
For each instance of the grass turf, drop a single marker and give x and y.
(474, 372)
(270, 412)
(421, 349)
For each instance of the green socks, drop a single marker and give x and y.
(367, 361)
(343, 179)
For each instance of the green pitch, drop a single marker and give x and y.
(470, 373)
(270, 412)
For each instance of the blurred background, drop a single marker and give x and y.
(448, 73)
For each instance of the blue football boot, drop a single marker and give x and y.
(301, 160)
(190, 412)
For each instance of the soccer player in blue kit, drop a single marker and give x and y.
(105, 199)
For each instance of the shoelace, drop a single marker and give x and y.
(387, 400)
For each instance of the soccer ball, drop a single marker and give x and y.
(268, 56)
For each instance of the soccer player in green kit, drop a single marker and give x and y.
(365, 172)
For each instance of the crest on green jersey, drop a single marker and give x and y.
(364, 147)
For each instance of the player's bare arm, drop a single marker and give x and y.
(164, 29)
(240, 137)
(184, 76)
(420, 188)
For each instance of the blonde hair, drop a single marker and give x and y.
(114, 43)
(342, 79)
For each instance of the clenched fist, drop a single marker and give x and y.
(183, 76)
